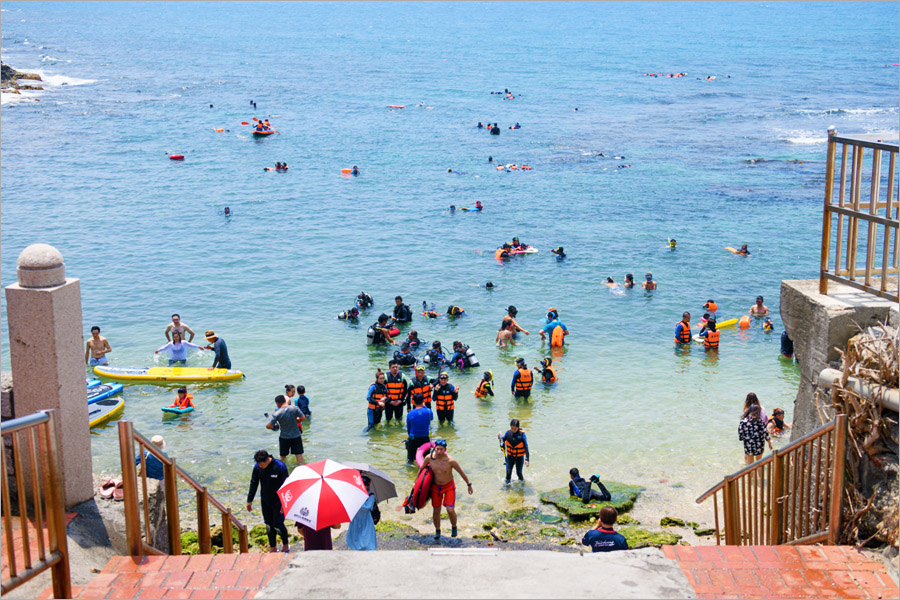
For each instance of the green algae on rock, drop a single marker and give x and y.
(623, 498)
(552, 532)
(484, 507)
(704, 531)
(395, 529)
(642, 538)
(671, 522)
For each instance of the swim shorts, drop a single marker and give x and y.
(443, 494)
(290, 446)
(98, 361)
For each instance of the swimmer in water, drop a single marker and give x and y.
(768, 325)
(649, 284)
(672, 244)
(629, 280)
(744, 251)
(452, 208)
(227, 212)
(560, 254)
(355, 170)
(610, 282)
(489, 285)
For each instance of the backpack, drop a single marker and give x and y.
(376, 514)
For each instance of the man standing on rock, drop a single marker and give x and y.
(443, 490)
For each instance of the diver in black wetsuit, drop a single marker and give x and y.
(580, 488)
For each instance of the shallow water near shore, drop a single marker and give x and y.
(738, 159)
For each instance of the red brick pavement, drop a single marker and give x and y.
(782, 572)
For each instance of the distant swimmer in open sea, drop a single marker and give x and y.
(354, 171)
(649, 284)
(610, 282)
(768, 325)
(559, 252)
(672, 243)
(629, 280)
(227, 212)
(743, 251)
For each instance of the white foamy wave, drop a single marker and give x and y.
(803, 137)
(57, 80)
(10, 99)
(848, 111)
(48, 58)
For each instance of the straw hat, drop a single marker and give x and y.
(159, 442)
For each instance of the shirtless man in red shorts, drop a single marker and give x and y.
(443, 490)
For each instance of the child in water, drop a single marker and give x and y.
(182, 399)
(485, 386)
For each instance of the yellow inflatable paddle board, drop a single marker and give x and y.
(104, 410)
(728, 323)
(167, 374)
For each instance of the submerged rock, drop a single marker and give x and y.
(552, 532)
(671, 522)
(704, 531)
(623, 498)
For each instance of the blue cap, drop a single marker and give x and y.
(440, 443)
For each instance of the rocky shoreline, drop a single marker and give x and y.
(9, 80)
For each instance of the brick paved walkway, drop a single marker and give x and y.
(18, 543)
(782, 572)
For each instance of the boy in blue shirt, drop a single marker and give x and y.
(418, 425)
(603, 538)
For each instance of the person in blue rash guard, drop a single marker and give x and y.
(418, 426)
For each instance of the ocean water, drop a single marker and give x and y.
(733, 160)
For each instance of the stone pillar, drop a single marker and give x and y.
(820, 325)
(46, 349)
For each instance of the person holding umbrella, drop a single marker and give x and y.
(270, 473)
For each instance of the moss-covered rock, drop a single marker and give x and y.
(704, 531)
(626, 519)
(482, 536)
(395, 529)
(671, 522)
(692, 525)
(552, 532)
(567, 542)
(258, 538)
(623, 498)
(484, 507)
(551, 519)
(641, 538)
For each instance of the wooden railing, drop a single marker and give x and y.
(140, 542)
(36, 459)
(792, 496)
(880, 219)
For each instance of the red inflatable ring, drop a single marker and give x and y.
(176, 157)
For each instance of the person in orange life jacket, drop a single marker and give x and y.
(776, 425)
(259, 126)
(397, 390)
(485, 386)
(444, 396)
(266, 125)
(604, 538)
(420, 385)
(548, 373)
(502, 251)
(710, 335)
(580, 488)
(404, 357)
(516, 449)
(182, 399)
(683, 329)
(402, 312)
(711, 306)
(375, 400)
(418, 426)
(552, 323)
(521, 380)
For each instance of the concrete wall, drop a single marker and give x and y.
(820, 325)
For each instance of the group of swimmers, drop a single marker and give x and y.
(648, 284)
(279, 166)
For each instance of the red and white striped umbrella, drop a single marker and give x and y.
(322, 494)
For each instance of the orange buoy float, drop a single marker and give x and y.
(744, 323)
(525, 168)
(346, 170)
(396, 106)
(176, 157)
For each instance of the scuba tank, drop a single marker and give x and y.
(370, 336)
(470, 357)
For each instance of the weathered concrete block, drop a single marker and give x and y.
(820, 325)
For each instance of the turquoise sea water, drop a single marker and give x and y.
(739, 159)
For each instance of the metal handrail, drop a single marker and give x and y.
(792, 496)
(852, 206)
(43, 454)
(171, 472)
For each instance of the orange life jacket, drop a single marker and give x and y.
(685, 333)
(711, 307)
(481, 390)
(499, 254)
(421, 386)
(556, 337)
(517, 450)
(443, 397)
(184, 402)
(549, 375)
(711, 340)
(523, 383)
(777, 428)
(395, 389)
(379, 394)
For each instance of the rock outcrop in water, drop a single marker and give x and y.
(9, 79)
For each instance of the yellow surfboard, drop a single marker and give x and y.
(104, 410)
(167, 374)
(723, 324)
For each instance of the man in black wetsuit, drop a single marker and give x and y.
(221, 360)
(580, 488)
(269, 474)
(402, 312)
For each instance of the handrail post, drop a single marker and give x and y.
(732, 521)
(243, 539)
(170, 473)
(227, 540)
(837, 479)
(826, 218)
(129, 488)
(56, 512)
(776, 531)
(203, 521)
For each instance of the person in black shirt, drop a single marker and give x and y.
(402, 312)
(221, 360)
(269, 474)
(580, 488)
